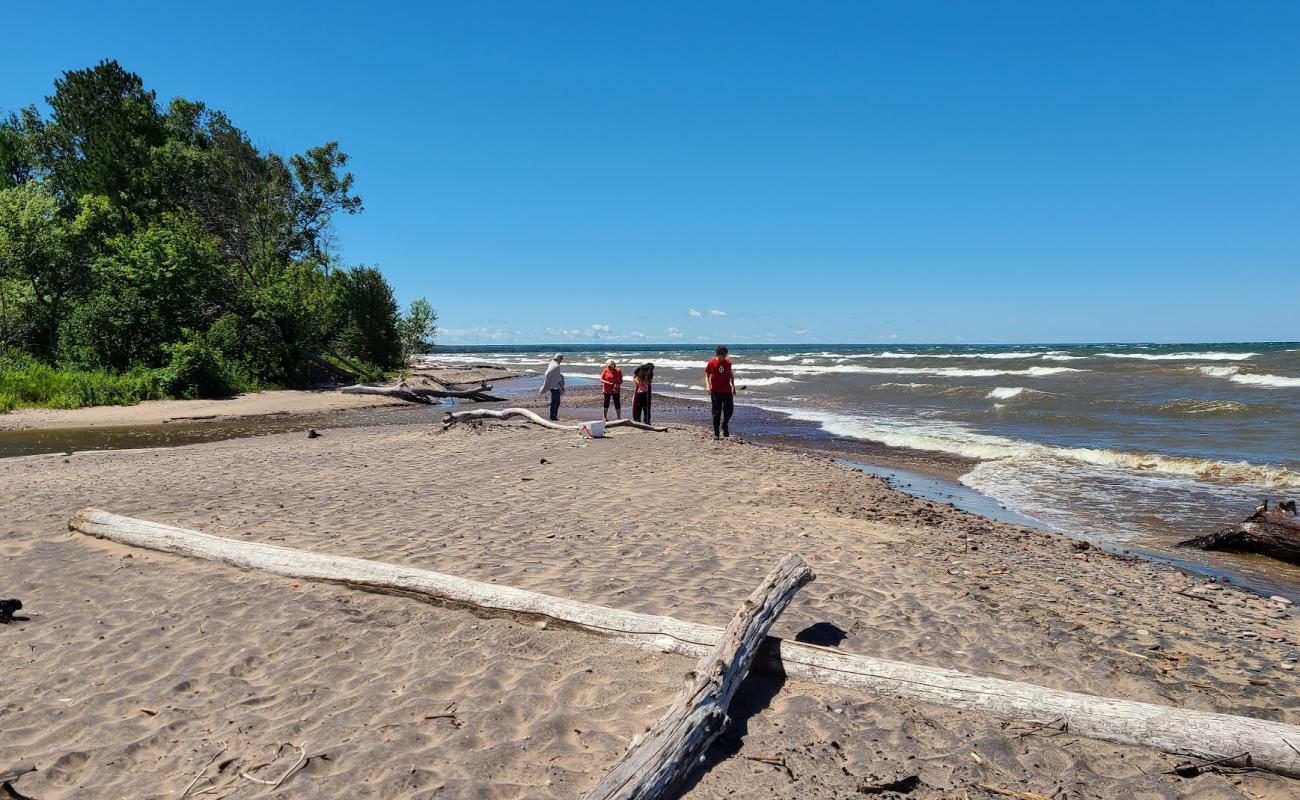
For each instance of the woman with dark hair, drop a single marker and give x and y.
(644, 377)
(720, 383)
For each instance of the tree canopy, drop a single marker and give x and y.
(138, 237)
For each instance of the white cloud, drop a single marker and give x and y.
(717, 312)
(801, 332)
(693, 312)
(568, 333)
(597, 327)
(674, 333)
(637, 335)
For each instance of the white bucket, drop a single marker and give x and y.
(594, 429)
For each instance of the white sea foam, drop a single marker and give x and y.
(997, 355)
(1279, 381)
(936, 372)
(1212, 356)
(781, 358)
(1063, 357)
(773, 381)
(1235, 375)
(949, 437)
(1005, 392)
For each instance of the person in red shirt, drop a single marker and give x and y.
(721, 385)
(611, 384)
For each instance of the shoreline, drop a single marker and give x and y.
(923, 474)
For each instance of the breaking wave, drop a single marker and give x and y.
(1235, 375)
(949, 437)
(1212, 356)
(1005, 392)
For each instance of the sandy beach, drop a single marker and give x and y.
(158, 412)
(136, 669)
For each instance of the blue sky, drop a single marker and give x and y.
(835, 172)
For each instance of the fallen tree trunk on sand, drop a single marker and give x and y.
(422, 395)
(662, 758)
(1237, 740)
(537, 419)
(1269, 533)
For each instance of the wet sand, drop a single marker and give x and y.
(136, 669)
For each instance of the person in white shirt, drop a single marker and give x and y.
(554, 383)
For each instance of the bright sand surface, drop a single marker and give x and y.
(156, 412)
(137, 669)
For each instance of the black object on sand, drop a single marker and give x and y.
(7, 609)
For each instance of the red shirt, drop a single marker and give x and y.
(612, 380)
(719, 373)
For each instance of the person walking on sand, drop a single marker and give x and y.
(611, 384)
(554, 383)
(720, 383)
(644, 377)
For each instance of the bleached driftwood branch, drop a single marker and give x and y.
(1269, 745)
(537, 419)
(420, 394)
(665, 755)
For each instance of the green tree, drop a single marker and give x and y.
(49, 248)
(364, 317)
(101, 136)
(162, 242)
(20, 134)
(417, 329)
(149, 286)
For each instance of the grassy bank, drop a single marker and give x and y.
(40, 386)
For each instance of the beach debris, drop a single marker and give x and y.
(1271, 533)
(1189, 769)
(662, 758)
(7, 778)
(8, 608)
(900, 786)
(215, 756)
(275, 784)
(312, 434)
(453, 417)
(1014, 793)
(1186, 732)
(424, 395)
(776, 761)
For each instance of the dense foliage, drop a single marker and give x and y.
(157, 251)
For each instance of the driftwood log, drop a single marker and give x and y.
(423, 395)
(537, 419)
(663, 758)
(1269, 533)
(1241, 741)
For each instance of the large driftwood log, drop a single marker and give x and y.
(537, 419)
(665, 755)
(414, 394)
(1269, 745)
(1270, 533)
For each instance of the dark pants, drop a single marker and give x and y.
(555, 404)
(723, 406)
(641, 407)
(618, 403)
